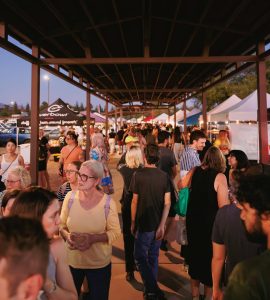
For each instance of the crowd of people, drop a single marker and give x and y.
(69, 234)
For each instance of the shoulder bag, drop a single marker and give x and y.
(183, 196)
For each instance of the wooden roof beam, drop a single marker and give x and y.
(172, 90)
(150, 60)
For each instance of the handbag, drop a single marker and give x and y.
(182, 203)
(181, 232)
(183, 196)
(2, 185)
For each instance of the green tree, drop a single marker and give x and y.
(5, 112)
(27, 108)
(81, 108)
(43, 105)
(242, 84)
(76, 107)
(15, 109)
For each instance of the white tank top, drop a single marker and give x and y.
(5, 165)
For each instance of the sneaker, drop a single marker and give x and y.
(130, 276)
(163, 245)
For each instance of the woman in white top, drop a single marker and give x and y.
(10, 159)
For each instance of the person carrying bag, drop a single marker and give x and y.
(181, 207)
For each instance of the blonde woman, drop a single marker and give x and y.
(17, 178)
(134, 161)
(89, 225)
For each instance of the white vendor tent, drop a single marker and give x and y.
(161, 118)
(179, 115)
(226, 104)
(190, 113)
(245, 110)
(244, 136)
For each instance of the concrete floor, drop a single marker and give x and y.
(172, 279)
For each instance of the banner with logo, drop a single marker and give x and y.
(57, 114)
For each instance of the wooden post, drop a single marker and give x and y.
(185, 117)
(34, 121)
(115, 117)
(262, 107)
(174, 114)
(204, 110)
(121, 117)
(88, 115)
(107, 121)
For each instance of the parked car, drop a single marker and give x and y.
(53, 134)
(24, 135)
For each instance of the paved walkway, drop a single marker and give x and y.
(172, 277)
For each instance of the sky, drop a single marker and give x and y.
(15, 84)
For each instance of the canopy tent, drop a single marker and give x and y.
(161, 118)
(226, 104)
(96, 117)
(148, 119)
(192, 120)
(179, 115)
(57, 114)
(245, 110)
(112, 120)
(190, 113)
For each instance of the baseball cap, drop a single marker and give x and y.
(130, 139)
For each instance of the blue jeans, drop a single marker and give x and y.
(98, 281)
(146, 251)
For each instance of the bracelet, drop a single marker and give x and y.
(53, 288)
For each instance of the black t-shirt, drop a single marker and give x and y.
(120, 134)
(166, 160)
(112, 135)
(229, 230)
(43, 151)
(127, 174)
(150, 184)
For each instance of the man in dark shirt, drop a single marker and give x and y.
(149, 210)
(167, 163)
(230, 243)
(250, 279)
(119, 137)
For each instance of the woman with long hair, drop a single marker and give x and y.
(238, 160)
(89, 225)
(69, 153)
(43, 205)
(178, 142)
(208, 192)
(134, 161)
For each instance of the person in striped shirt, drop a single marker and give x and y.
(189, 157)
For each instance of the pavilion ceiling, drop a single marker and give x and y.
(140, 51)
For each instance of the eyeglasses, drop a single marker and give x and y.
(84, 177)
(71, 171)
(12, 181)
